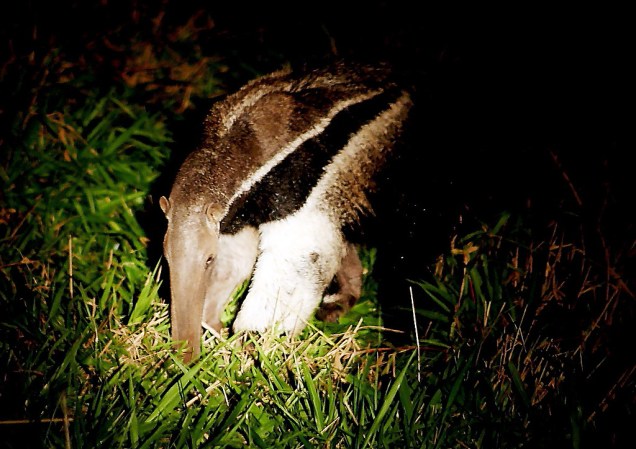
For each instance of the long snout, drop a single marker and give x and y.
(187, 284)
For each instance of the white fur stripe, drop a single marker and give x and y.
(359, 157)
(253, 95)
(274, 82)
(297, 142)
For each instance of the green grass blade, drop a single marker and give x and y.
(387, 402)
(315, 400)
(148, 293)
(174, 394)
(518, 383)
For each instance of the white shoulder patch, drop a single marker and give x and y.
(299, 257)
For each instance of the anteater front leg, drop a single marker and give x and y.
(233, 264)
(348, 283)
(298, 258)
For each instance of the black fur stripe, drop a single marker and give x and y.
(286, 187)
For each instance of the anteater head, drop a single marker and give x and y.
(190, 247)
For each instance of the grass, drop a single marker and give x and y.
(521, 331)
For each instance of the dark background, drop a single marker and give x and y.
(527, 109)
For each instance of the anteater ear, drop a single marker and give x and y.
(214, 214)
(164, 204)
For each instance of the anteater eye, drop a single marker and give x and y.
(209, 261)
